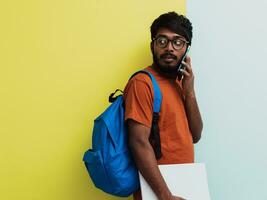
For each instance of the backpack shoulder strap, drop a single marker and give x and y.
(154, 137)
(156, 89)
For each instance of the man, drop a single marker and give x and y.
(180, 122)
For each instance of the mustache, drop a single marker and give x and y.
(168, 55)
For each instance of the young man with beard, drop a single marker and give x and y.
(180, 122)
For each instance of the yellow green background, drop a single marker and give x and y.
(59, 61)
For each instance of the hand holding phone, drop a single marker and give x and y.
(181, 66)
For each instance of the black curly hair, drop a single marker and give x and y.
(174, 22)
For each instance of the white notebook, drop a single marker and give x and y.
(184, 180)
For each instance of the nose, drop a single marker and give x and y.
(169, 47)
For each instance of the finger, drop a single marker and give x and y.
(185, 64)
(184, 72)
(179, 198)
(187, 67)
(188, 59)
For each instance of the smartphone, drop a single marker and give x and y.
(181, 66)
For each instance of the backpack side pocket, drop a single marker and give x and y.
(94, 163)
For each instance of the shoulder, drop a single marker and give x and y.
(141, 77)
(139, 84)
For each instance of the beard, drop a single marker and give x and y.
(166, 68)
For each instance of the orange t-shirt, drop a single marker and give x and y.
(176, 140)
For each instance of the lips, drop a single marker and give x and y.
(168, 59)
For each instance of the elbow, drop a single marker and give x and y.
(196, 135)
(196, 139)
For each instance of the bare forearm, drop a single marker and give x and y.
(193, 116)
(146, 163)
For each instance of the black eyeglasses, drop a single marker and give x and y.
(163, 41)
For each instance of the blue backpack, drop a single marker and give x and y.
(109, 162)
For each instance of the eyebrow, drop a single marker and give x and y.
(174, 37)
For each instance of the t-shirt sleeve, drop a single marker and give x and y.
(138, 98)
